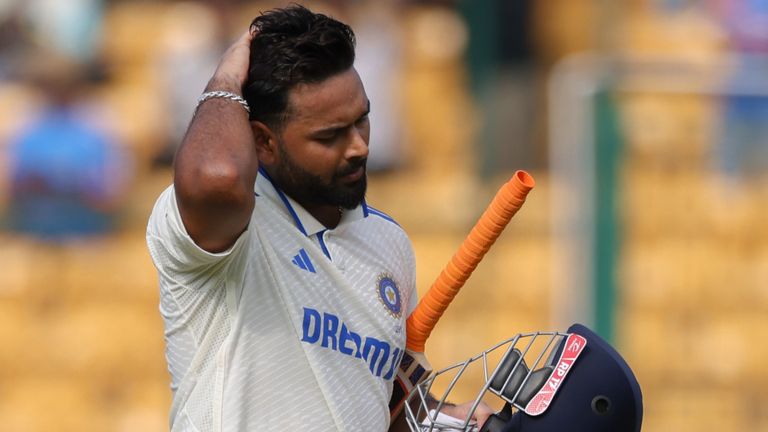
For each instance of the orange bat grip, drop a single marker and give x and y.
(505, 204)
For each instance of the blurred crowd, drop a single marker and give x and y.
(94, 93)
(64, 169)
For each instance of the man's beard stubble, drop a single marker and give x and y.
(309, 189)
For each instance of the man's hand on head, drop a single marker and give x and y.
(232, 71)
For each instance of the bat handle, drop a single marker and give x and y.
(492, 222)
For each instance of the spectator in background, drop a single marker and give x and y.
(71, 28)
(13, 37)
(743, 150)
(66, 175)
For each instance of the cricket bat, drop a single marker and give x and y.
(414, 367)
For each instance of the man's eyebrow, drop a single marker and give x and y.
(328, 130)
(335, 128)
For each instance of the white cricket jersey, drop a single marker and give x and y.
(296, 327)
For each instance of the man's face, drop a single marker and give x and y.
(323, 144)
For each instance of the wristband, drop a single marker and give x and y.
(223, 94)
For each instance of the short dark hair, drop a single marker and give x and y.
(293, 46)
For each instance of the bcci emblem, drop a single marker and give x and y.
(389, 295)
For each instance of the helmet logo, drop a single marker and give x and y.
(540, 402)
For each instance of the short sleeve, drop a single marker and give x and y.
(174, 252)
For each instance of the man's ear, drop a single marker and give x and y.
(266, 143)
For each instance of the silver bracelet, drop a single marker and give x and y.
(223, 94)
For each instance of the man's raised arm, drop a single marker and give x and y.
(216, 165)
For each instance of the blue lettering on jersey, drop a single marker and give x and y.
(348, 336)
(311, 333)
(330, 326)
(372, 350)
(330, 332)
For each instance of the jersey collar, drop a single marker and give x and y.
(304, 221)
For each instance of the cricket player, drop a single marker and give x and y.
(284, 294)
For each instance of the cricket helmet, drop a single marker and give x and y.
(549, 381)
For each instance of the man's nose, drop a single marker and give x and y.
(358, 146)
